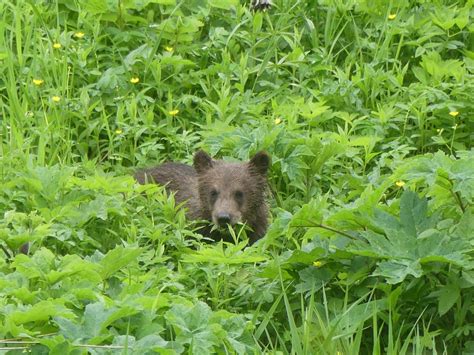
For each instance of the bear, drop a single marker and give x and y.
(218, 191)
(261, 4)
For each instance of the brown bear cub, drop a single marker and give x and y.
(218, 191)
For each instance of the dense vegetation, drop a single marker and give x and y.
(367, 109)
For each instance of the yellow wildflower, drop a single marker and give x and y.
(400, 183)
(173, 112)
(118, 131)
(169, 49)
(79, 35)
(38, 82)
(392, 16)
(317, 263)
(56, 98)
(454, 113)
(277, 121)
(134, 80)
(56, 45)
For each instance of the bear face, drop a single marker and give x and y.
(231, 192)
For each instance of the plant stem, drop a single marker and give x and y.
(319, 225)
(5, 251)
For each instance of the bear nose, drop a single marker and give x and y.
(223, 219)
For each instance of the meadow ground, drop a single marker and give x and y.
(367, 110)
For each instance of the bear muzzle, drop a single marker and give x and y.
(222, 219)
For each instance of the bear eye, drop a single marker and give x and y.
(239, 195)
(214, 194)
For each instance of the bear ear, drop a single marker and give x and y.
(202, 161)
(260, 162)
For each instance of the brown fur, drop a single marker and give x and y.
(218, 191)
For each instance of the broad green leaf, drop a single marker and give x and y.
(225, 256)
(116, 259)
(309, 215)
(96, 318)
(72, 265)
(312, 110)
(41, 311)
(19, 228)
(96, 7)
(176, 61)
(396, 271)
(36, 266)
(300, 256)
(223, 4)
(56, 344)
(191, 324)
(462, 174)
(111, 79)
(68, 328)
(413, 213)
(313, 279)
(163, 2)
(257, 22)
(236, 331)
(413, 241)
(104, 184)
(140, 4)
(462, 18)
(146, 344)
(447, 297)
(47, 183)
(324, 149)
(123, 311)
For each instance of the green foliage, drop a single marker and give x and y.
(415, 239)
(366, 109)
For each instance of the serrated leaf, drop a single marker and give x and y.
(396, 271)
(313, 279)
(414, 241)
(47, 182)
(191, 324)
(68, 328)
(413, 213)
(95, 315)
